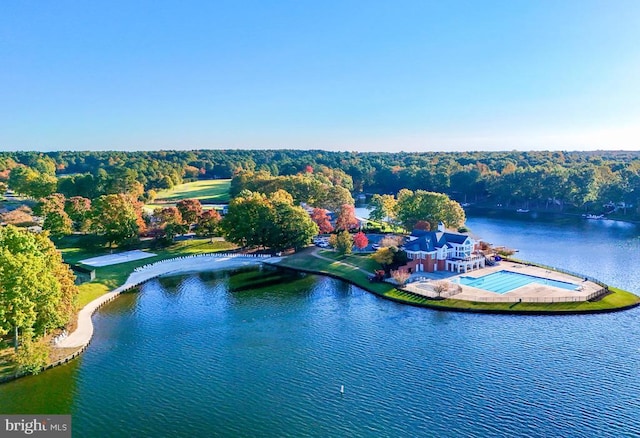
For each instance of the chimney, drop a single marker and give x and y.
(441, 227)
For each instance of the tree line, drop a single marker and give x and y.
(540, 178)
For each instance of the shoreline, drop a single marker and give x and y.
(83, 333)
(81, 337)
(494, 209)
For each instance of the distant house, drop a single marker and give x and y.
(442, 250)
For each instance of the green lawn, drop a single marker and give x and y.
(305, 261)
(110, 277)
(363, 261)
(211, 191)
(151, 207)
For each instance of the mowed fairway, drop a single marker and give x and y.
(212, 191)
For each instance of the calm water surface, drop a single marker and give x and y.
(264, 353)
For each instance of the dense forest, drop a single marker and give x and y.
(598, 181)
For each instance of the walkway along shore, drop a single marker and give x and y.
(81, 337)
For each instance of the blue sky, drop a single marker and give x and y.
(343, 75)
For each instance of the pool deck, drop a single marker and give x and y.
(532, 292)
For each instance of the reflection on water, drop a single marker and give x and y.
(241, 354)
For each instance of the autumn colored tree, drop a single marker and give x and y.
(117, 217)
(209, 223)
(360, 240)
(168, 223)
(191, 209)
(347, 218)
(21, 217)
(400, 277)
(390, 257)
(384, 256)
(56, 219)
(321, 219)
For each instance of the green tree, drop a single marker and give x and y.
(292, 226)
(248, 219)
(79, 209)
(32, 356)
(383, 208)
(428, 206)
(116, 217)
(37, 290)
(344, 243)
(271, 221)
(30, 182)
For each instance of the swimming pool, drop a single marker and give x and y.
(502, 282)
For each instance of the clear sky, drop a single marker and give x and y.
(337, 75)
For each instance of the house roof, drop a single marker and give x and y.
(454, 237)
(429, 241)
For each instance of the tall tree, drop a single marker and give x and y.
(428, 206)
(37, 291)
(56, 219)
(116, 217)
(79, 209)
(347, 218)
(321, 219)
(168, 223)
(191, 209)
(254, 219)
(360, 240)
(383, 208)
(209, 223)
(342, 242)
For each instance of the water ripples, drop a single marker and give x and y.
(200, 356)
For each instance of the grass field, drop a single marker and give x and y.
(151, 207)
(211, 191)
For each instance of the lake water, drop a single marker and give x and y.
(264, 353)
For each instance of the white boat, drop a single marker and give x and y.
(522, 210)
(594, 216)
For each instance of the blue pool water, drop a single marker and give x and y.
(502, 282)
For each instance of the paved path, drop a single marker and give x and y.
(83, 333)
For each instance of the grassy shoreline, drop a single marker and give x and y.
(616, 300)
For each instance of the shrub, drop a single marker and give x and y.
(32, 356)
